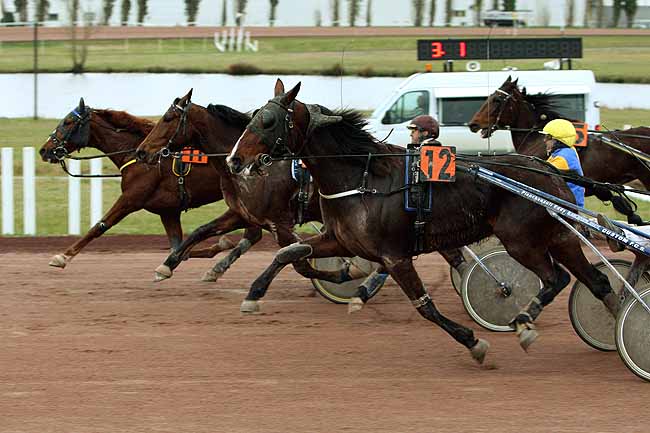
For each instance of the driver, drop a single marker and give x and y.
(424, 130)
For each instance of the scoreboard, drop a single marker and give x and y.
(487, 49)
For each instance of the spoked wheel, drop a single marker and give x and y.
(491, 303)
(590, 318)
(341, 293)
(479, 248)
(633, 334)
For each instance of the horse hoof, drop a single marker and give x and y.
(527, 337)
(248, 306)
(225, 243)
(162, 272)
(211, 276)
(355, 304)
(479, 350)
(59, 261)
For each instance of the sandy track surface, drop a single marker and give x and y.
(98, 347)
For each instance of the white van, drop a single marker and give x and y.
(454, 97)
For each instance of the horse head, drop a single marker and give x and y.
(280, 127)
(72, 133)
(498, 110)
(171, 133)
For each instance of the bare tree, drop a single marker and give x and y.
(353, 9)
(42, 8)
(124, 12)
(570, 12)
(108, 11)
(240, 10)
(449, 9)
(432, 13)
(418, 9)
(589, 8)
(78, 46)
(224, 14)
(142, 11)
(191, 10)
(274, 5)
(369, 13)
(478, 8)
(21, 8)
(616, 13)
(630, 9)
(600, 13)
(509, 5)
(335, 13)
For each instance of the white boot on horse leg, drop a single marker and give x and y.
(211, 276)
(355, 304)
(248, 306)
(479, 350)
(527, 334)
(162, 272)
(60, 261)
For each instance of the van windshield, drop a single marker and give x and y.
(459, 111)
(408, 106)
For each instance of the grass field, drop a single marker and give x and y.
(392, 56)
(51, 184)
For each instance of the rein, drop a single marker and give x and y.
(65, 169)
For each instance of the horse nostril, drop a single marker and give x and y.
(474, 127)
(235, 163)
(42, 152)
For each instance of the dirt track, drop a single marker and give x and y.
(97, 347)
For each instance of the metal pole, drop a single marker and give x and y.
(35, 69)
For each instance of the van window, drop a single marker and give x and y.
(408, 106)
(571, 106)
(459, 111)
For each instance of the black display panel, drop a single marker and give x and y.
(477, 49)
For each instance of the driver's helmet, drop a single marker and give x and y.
(425, 122)
(562, 130)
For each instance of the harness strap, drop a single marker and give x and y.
(342, 194)
(127, 164)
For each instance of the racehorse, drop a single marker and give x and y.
(365, 218)
(512, 107)
(264, 201)
(117, 134)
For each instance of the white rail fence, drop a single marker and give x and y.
(7, 179)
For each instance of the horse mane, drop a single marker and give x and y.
(126, 121)
(229, 115)
(547, 104)
(351, 137)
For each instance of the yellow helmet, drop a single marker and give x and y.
(561, 130)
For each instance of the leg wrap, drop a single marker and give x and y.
(293, 253)
(428, 310)
(534, 308)
(373, 283)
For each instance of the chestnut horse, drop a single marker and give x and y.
(263, 201)
(118, 134)
(512, 107)
(371, 222)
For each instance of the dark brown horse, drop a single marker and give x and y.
(376, 227)
(118, 134)
(258, 201)
(512, 107)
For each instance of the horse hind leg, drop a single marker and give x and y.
(404, 274)
(251, 236)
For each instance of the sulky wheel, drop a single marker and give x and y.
(633, 334)
(341, 293)
(493, 304)
(479, 248)
(589, 316)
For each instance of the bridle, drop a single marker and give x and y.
(60, 152)
(182, 124)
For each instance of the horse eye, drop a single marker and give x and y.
(268, 119)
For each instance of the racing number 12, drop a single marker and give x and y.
(438, 163)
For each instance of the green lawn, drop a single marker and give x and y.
(51, 185)
(393, 56)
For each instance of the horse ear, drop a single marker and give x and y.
(508, 79)
(523, 91)
(82, 105)
(279, 88)
(514, 83)
(291, 95)
(188, 97)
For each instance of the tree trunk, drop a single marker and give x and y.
(274, 5)
(432, 13)
(418, 7)
(449, 8)
(335, 13)
(353, 8)
(369, 13)
(126, 9)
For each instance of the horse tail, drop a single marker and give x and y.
(621, 203)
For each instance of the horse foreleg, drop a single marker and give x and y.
(455, 259)
(225, 243)
(171, 221)
(120, 209)
(227, 222)
(317, 246)
(252, 235)
(403, 272)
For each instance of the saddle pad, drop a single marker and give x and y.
(410, 197)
